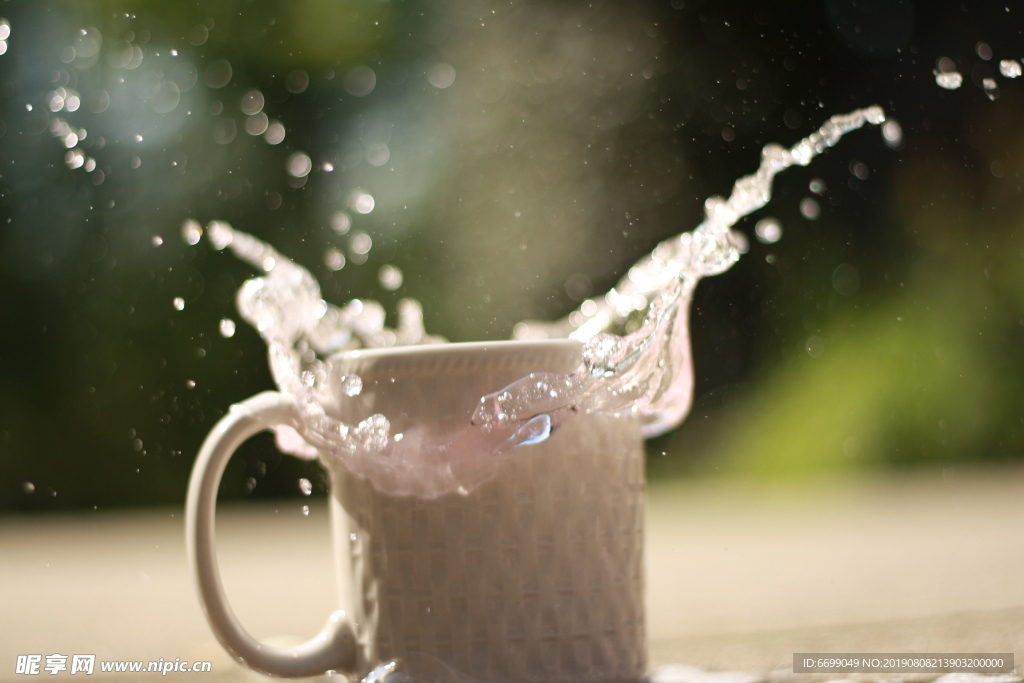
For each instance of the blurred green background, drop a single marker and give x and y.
(521, 156)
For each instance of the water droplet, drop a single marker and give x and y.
(340, 222)
(299, 165)
(1010, 68)
(768, 231)
(360, 243)
(810, 209)
(74, 158)
(390, 277)
(198, 34)
(362, 202)
(990, 87)
(305, 511)
(190, 384)
(28, 487)
(983, 50)
(334, 259)
(5, 29)
(157, 240)
(950, 80)
(892, 132)
(815, 346)
(227, 328)
(360, 81)
(252, 102)
(297, 82)
(257, 124)
(306, 486)
(817, 186)
(441, 75)
(351, 385)
(179, 303)
(218, 73)
(378, 155)
(274, 134)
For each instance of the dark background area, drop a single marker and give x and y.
(574, 137)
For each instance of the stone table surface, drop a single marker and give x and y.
(739, 575)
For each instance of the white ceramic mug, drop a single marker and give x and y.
(534, 575)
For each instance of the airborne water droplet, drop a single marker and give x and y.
(227, 328)
(191, 231)
(1010, 68)
(390, 277)
(179, 303)
(810, 209)
(351, 385)
(334, 259)
(299, 165)
(893, 134)
(949, 80)
(306, 486)
(768, 231)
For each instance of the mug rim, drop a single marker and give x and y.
(438, 351)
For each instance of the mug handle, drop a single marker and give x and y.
(334, 648)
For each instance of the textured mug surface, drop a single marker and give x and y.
(535, 575)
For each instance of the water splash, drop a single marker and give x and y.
(636, 345)
(649, 371)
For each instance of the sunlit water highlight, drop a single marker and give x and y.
(635, 339)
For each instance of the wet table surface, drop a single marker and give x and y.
(739, 576)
